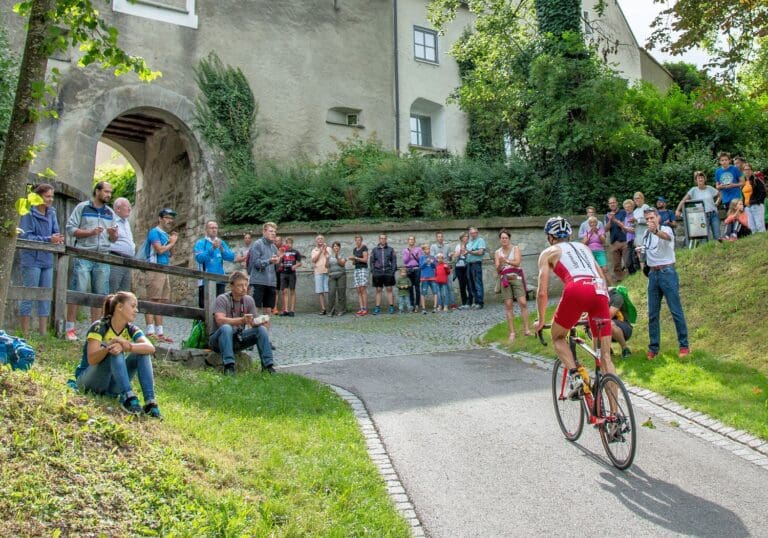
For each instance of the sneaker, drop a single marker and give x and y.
(229, 369)
(376, 310)
(360, 313)
(651, 355)
(131, 406)
(274, 311)
(625, 353)
(462, 307)
(72, 335)
(153, 411)
(284, 313)
(684, 352)
(453, 306)
(479, 307)
(424, 312)
(391, 309)
(434, 311)
(291, 314)
(322, 313)
(268, 369)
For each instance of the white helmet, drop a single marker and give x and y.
(558, 227)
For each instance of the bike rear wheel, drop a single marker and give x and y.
(569, 409)
(618, 432)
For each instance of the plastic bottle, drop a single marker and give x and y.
(585, 377)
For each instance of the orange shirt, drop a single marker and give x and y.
(746, 190)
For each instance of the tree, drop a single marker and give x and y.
(726, 29)
(52, 25)
(9, 73)
(687, 76)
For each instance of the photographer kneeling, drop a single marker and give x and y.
(623, 314)
(239, 326)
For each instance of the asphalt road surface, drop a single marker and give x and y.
(475, 441)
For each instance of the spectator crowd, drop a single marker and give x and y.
(631, 236)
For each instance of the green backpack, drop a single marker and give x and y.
(198, 338)
(630, 308)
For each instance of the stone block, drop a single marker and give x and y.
(201, 358)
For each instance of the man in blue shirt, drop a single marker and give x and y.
(475, 252)
(160, 241)
(729, 179)
(210, 254)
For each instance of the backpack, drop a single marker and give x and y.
(198, 337)
(16, 352)
(142, 252)
(630, 308)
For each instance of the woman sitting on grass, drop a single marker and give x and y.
(737, 221)
(114, 351)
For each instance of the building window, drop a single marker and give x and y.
(425, 44)
(352, 120)
(421, 131)
(178, 12)
(587, 25)
(344, 116)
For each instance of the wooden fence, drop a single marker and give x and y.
(61, 296)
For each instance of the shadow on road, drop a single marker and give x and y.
(668, 506)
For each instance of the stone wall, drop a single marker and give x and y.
(526, 232)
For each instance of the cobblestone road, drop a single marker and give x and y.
(310, 338)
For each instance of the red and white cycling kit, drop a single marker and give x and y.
(585, 290)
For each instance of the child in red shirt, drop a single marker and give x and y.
(442, 270)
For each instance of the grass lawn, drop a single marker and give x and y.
(252, 455)
(723, 288)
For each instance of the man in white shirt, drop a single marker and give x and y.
(658, 244)
(120, 277)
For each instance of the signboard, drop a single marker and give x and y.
(695, 219)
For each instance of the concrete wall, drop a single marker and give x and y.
(424, 86)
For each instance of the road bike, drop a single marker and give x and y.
(604, 402)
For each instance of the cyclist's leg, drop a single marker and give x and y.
(599, 310)
(568, 312)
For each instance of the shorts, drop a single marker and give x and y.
(321, 283)
(600, 258)
(361, 277)
(158, 287)
(515, 290)
(381, 281)
(625, 327)
(427, 285)
(90, 277)
(580, 297)
(264, 296)
(287, 280)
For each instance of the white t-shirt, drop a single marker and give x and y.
(659, 251)
(707, 195)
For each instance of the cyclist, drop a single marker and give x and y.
(585, 292)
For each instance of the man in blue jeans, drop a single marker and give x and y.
(658, 243)
(475, 252)
(239, 326)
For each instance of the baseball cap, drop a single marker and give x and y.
(167, 212)
(661, 199)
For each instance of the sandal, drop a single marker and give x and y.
(528, 333)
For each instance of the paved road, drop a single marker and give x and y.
(473, 437)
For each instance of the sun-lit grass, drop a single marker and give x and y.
(723, 288)
(252, 455)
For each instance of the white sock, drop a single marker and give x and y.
(150, 329)
(159, 330)
(70, 325)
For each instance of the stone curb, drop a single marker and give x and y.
(378, 454)
(738, 442)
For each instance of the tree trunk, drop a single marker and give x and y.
(21, 135)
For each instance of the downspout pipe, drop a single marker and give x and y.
(397, 78)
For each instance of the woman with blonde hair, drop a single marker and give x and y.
(114, 351)
(736, 221)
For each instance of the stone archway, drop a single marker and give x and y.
(152, 127)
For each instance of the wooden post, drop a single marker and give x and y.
(60, 295)
(209, 298)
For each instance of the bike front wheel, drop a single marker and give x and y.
(618, 431)
(569, 404)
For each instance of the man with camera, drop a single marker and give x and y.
(239, 326)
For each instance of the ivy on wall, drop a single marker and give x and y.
(225, 114)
